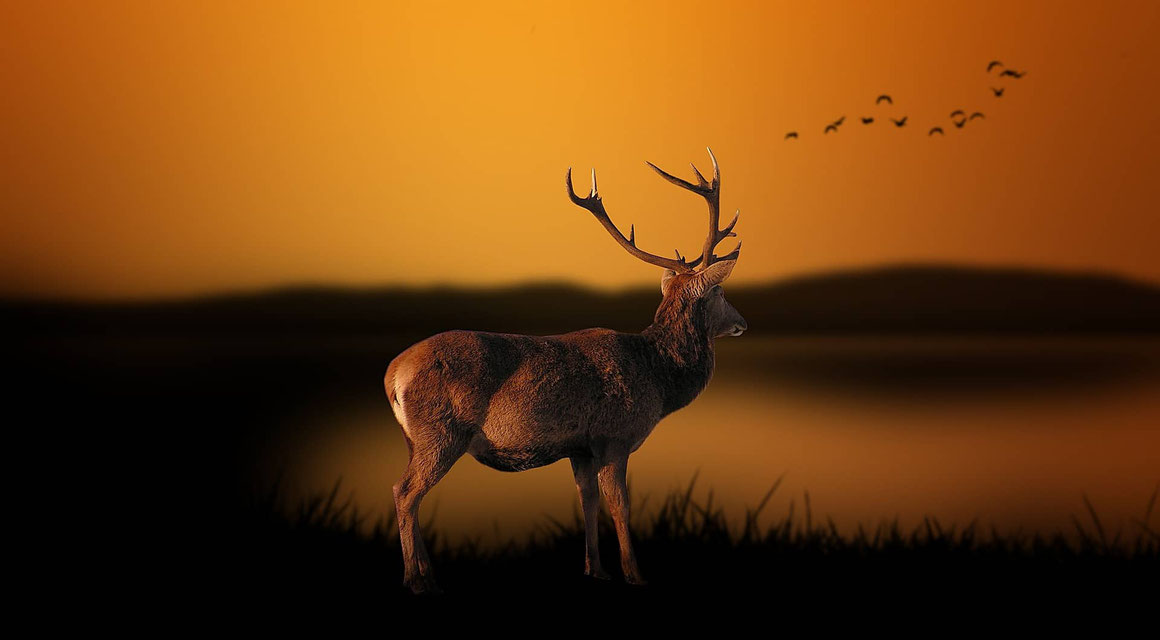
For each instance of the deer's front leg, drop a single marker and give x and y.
(584, 468)
(614, 486)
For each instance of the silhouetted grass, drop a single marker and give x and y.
(689, 549)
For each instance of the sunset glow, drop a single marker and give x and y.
(152, 149)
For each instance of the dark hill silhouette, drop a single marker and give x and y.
(952, 299)
(899, 299)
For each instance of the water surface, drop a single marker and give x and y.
(1010, 431)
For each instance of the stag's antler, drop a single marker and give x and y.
(711, 191)
(594, 204)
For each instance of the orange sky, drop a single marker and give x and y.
(150, 149)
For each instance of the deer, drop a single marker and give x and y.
(517, 402)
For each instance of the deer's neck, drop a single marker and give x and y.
(683, 349)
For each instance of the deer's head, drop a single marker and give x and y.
(694, 287)
(701, 293)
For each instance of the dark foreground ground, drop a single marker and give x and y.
(698, 563)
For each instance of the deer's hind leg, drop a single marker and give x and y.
(433, 450)
(584, 468)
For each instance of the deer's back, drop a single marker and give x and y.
(511, 391)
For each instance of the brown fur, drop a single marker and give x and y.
(517, 402)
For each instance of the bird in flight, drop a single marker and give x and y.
(935, 130)
(839, 121)
(993, 64)
(1013, 73)
(830, 127)
(998, 92)
(791, 134)
(977, 115)
(883, 97)
(867, 120)
(899, 123)
(959, 123)
(957, 112)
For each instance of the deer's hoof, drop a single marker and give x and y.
(424, 586)
(636, 581)
(599, 574)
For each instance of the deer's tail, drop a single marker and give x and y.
(389, 382)
(394, 388)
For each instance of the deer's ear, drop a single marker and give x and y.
(665, 280)
(715, 274)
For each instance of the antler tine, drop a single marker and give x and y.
(700, 178)
(711, 191)
(704, 190)
(716, 169)
(728, 230)
(595, 205)
(732, 255)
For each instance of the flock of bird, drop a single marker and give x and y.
(958, 117)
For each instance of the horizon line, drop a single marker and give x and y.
(303, 286)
